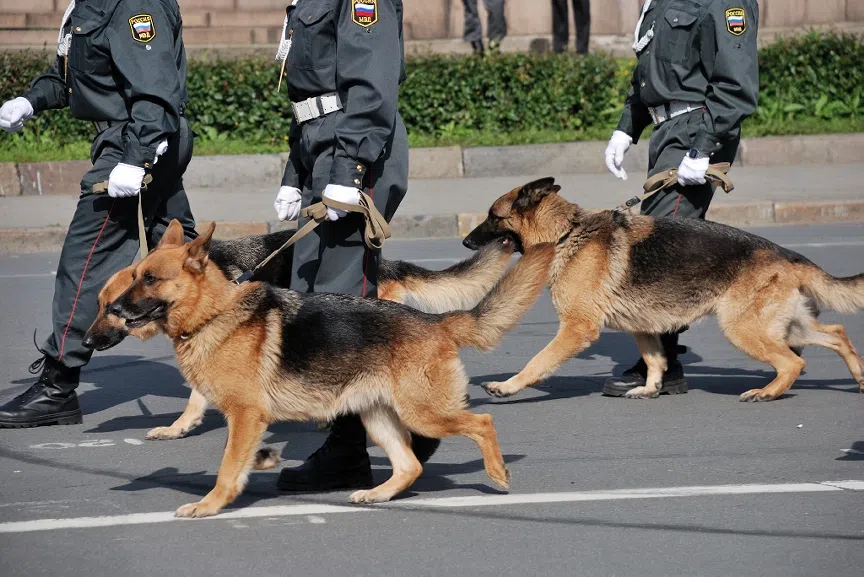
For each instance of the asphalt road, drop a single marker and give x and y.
(601, 486)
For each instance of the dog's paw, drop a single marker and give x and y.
(499, 390)
(164, 433)
(502, 481)
(755, 396)
(369, 496)
(196, 510)
(642, 393)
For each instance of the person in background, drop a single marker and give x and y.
(496, 25)
(561, 25)
(696, 80)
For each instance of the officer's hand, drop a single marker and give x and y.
(160, 150)
(125, 181)
(692, 171)
(618, 145)
(13, 114)
(339, 193)
(287, 203)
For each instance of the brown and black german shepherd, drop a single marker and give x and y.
(262, 354)
(459, 287)
(652, 276)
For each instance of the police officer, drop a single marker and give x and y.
(343, 62)
(496, 24)
(122, 65)
(696, 80)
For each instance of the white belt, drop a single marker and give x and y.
(316, 107)
(664, 112)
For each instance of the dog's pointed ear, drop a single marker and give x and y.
(173, 235)
(197, 251)
(533, 192)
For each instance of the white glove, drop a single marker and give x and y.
(125, 181)
(160, 150)
(287, 203)
(692, 171)
(339, 193)
(13, 114)
(618, 145)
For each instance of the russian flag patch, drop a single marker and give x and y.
(365, 12)
(735, 22)
(143, 29)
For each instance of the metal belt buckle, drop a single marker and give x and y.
(302, 110)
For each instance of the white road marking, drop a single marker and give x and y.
(313, 510)
(29, 275)
(316, 520)
(96, 443)
(823, 244)
(134, 441)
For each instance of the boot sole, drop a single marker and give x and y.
(673, 388)
(72, 418)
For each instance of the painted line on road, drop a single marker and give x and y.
(28, 275)
(440, 503)
(823, 244)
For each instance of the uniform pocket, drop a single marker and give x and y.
(84, 54)
(314, 35)
(675, 36)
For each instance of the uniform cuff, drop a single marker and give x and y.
(37, 100)
(347, 172)
(707, 143)
(137, 155)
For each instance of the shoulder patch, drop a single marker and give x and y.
(364, 12)
(735, 21)
(143, 29)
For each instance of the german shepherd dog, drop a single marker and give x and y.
(459, 287)
(262, 354)
(652, 276)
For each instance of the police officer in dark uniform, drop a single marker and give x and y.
(696, 80)
(122, 65)
(343, 62)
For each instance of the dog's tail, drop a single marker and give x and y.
(459, 287)
(844, 295)
(266, 458)
(500, 310)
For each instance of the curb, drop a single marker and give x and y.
(50, 239)
(242, 172)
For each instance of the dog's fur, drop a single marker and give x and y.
(262, 354)
(652, 276)
(459, 287)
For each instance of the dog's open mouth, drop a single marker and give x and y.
(153, 314)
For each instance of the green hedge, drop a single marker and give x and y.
(813, 75)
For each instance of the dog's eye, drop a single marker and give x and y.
(149, 278)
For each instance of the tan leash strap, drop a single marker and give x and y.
(377, 229)
(716, 175)
(102, 187)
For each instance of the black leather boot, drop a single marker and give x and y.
(50, 401)
(342, 461)
(673, 377)
(477, 47)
